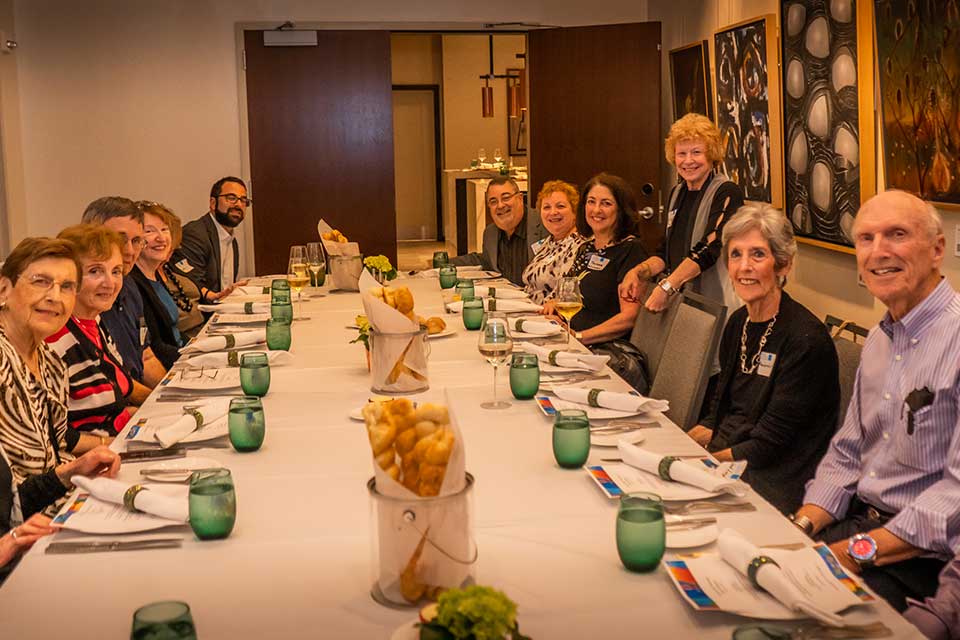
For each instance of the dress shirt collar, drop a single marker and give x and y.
(519, 232)
(920, 317)
(224, 234)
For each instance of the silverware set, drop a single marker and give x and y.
(691, 524)
(96, 546)
(571, 379)
(615, 427)
(706, 506)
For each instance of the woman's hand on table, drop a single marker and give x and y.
(98, 461)
(549, 308)
(21, 538)
(701, 435)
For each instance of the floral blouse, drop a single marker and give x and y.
(551, 262)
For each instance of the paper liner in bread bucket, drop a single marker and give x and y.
(395, 340)
(401, 518)
(345, 271)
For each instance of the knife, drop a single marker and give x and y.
(157, 454)
(93, 546)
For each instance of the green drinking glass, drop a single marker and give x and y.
(571, 438)
(169, 620)
(278, 334)
(440, 259)
(524, 375)
(448, 277)
(213, 504)
(279, 285)
(282, 311)
(246, 423)
(472, 314)
(641, 531)
(255, 373)
(465, 289)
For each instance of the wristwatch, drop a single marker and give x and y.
(667, 287)
(578, 335)
(803, 523)
(863, 549)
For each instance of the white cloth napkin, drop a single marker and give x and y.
(612, 399)
(500, 293)
(219, 343)
(186, 424)
(221, 359)
(252, 291)
(463, 269)
(510, 306)
(536, 327)
(570, 359)
(738, 552)
(152, 502)
(237, 307)
(680, 471)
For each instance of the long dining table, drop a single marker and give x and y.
(298, 563)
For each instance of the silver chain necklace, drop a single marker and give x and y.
(755, 360)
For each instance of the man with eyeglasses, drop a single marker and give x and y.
(124, 321)
(508, 242)
(209, 254)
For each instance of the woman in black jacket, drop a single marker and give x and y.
(778, 396)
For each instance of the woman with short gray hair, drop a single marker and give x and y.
(777, 399)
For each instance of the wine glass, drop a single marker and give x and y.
(298, 275)
(496, 346)
(481, 155)
(316, 263)
(568, 300)
(497, 155)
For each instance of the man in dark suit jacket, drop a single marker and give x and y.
(508, 241)
(209, 254)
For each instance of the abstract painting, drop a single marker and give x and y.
(821, 116)
(748, 107)
(918, 57)
(689, 72)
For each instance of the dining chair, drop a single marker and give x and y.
(848, 355)
(691, 346)
(650, 332)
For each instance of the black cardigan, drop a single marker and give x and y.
(792, 421)
(162, 340)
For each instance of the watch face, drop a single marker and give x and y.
(863, 548)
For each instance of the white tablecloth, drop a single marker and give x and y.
(298, 562)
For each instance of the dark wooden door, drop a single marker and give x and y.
(321, 143)
(595, 106)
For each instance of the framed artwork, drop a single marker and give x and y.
(918, 62)
(690, 80)
(747, 99)
(829, 154)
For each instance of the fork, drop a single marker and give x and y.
(706, 506)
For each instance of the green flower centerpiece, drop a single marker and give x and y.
(363, 335)
(380, 268)
(474, 613)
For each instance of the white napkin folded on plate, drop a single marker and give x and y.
(237, 307)
(219, 343)
(570, 359)
(186, 424)
(739, 552)
(612, 400)
(152, 502)
(536, 327)
(692, 474)
(500, 293)
(252, 291)
(496, 304)
(222, 359)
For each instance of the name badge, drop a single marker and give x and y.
(597, 262)
(536, 246)
(184, 266)
(765, 366)
(670, 216)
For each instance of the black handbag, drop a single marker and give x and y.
(628, 361)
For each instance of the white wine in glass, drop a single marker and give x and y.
(297, 275)
(568, 300)
(496, 345)
(316, 263)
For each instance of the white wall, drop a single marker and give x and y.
(141, 99)
(823, 280)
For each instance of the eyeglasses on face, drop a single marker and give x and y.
(138, 242)
(233, 198)
(44, 283)
(504, 199)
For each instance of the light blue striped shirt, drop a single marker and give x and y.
(873, 456)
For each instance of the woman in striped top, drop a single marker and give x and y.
(38, 288)
(99, 385)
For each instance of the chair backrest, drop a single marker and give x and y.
(836, 326)
(848, 354)
(690, 348)
(650, 334)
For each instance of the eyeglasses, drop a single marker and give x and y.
(232, 198)
(44, 284)
(138, 242)
(504, 199)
